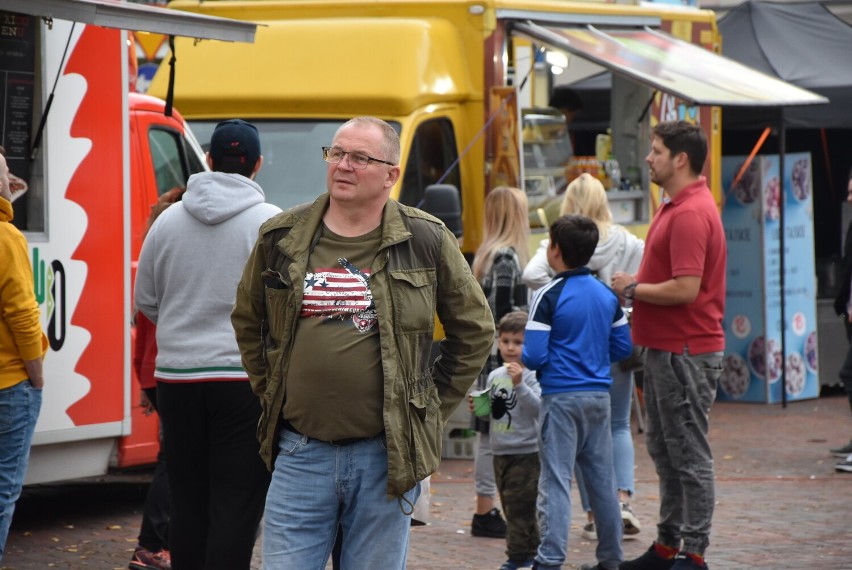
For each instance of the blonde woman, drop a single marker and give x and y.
(497, 267)
(617, 250)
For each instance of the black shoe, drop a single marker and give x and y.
(511, 565)
(648, 561)
(590, 567)
(842, 451)
(684, 562)
(489, 525)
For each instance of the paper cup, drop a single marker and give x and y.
(482, 403)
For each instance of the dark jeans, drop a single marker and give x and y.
(846, 374)
(517, 478)
(217, 478)
(154, 535)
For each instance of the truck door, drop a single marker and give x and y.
(164, 155)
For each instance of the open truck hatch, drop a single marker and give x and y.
(671, 65)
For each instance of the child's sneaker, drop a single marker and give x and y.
(144, 559)
(631, 523)
(489, 525)
(590, 532)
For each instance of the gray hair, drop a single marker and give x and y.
(390, 138)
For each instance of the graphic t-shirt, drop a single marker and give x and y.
(334, 386)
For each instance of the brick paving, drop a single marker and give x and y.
(780, 504)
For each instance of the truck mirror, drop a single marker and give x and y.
(442, 201)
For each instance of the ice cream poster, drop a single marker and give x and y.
(751, 215)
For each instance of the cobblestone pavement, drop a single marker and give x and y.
(780, 504)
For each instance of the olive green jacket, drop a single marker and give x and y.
(418, 272)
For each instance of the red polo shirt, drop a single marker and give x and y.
(685, 238)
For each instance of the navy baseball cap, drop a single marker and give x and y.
(235, 138)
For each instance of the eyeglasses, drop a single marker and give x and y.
(357, 160)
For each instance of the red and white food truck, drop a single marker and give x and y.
(89, 158)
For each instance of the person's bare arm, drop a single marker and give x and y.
(679, 290)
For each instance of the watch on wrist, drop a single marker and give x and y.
(630, 290)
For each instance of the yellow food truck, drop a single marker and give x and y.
(466, 83)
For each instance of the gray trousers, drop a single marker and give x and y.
(678, 391)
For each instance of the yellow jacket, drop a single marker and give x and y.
(21, 335)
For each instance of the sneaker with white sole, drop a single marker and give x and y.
(589, 531)
(631, 523)
(845, 465)
(842, 452)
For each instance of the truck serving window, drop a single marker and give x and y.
(433, 151)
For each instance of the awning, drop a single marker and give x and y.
(673, 66)
(137, 17)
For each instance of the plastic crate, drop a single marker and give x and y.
(461, 418)
(459, 447)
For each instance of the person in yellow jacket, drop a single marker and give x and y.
(22, 349)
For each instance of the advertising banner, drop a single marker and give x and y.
(754, 359)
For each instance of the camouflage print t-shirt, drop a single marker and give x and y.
(334, 386)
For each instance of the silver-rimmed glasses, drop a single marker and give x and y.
(359, 160)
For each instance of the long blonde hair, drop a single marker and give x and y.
(506, 225)
(586, 196)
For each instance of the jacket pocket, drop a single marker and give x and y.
(413, 293)
(425, 419)
(278, 306)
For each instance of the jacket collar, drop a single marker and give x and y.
(306, 223)
(572, 272)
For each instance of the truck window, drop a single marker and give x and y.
(167, 154)
(293, 171)
(433, 151)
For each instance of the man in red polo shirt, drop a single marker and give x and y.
(678, 300)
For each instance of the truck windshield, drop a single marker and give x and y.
(293, 171)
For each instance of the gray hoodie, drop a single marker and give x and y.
(622, 251)
(189, 267)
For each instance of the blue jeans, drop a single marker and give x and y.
(317, 486)
(679, 390)
(620, 394)
(575, 428)
(19, 408)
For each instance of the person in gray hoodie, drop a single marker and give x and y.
(186, 283)
(617, 250)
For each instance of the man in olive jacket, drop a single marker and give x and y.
(334, 317)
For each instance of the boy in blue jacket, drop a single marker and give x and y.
(576, 329)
